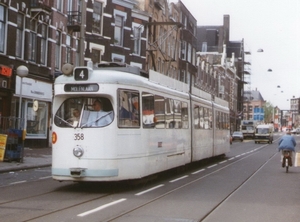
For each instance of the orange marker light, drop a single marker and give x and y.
(54, 137)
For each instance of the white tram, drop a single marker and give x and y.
(142, 128)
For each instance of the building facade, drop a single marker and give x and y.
(44, 35)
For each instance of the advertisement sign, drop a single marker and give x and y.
(3, 140)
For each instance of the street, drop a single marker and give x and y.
(249, 184)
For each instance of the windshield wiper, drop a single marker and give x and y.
(96, 119)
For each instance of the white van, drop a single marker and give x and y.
(264, 133)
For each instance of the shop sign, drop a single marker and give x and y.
(32, 88)
(5, 71)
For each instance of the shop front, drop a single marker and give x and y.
(35, 110)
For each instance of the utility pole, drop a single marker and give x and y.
(82, 32)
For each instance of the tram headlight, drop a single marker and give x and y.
(78, 151)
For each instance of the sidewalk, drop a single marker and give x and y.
(33, 158)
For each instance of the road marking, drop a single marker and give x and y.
(223, 162)
(23, 181)
(212, 166)
(231, 158)
(180, 178)
(42, 178)
(198, 171)
(100, 208)
(146, 191)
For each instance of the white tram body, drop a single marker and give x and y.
(143, 127)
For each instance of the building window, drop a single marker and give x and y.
(77, 52)
(158, 65)
(182, 75)
(31, 43)
(57, 49)
(189, 53)
(97, 18)
(96, 56)
(43, 50)
(118, 38)
(183, 50)
(184, 21)
(2, 28)
(204, 47)
(117, 58)
(19, 37)
(60, 5)
(137, 40)
(70, 5)
(69, 49)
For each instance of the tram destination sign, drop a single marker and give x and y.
(81, 88)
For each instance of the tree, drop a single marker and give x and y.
(269, 112)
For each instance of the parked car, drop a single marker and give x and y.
(237, 135)
(296, 131)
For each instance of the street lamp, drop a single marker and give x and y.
(22, 71)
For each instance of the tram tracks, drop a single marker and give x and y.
(192, 177)
(196, 180)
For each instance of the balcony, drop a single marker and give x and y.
(40, 5)
(74, 21)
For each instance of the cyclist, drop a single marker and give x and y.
(287, 142)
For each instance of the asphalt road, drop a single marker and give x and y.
(249, 184)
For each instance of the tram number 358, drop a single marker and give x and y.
(78, 136)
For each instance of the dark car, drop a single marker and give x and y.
(237, 135)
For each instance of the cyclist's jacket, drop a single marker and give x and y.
(287, 142)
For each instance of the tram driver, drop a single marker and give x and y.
(98, 117)
(97, 105)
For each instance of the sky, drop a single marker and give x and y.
(271, 25)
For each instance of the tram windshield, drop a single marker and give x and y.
(84, 112)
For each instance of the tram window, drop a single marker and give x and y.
(177, 114)
(79, 112)
(222, 121)
(169, 113)
(129, 113)
(206, 121)
(159, 112)
(210, 119)
(196, 117)
(201, 115)
(217, 119)
(184, 115)
(148, 110)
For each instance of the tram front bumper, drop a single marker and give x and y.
(78, 172)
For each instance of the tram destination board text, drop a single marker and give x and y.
(81, 87)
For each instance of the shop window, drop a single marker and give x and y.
(36, 120)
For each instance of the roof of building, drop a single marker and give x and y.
(253, 95)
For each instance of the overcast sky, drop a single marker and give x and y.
(271, 25)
